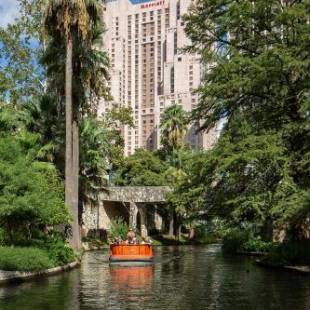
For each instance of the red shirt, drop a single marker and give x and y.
(130, 235)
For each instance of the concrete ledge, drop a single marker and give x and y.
(251, 253)
(18, 276)
(301, 269)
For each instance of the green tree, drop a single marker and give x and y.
(173, 127)
(20, 77)
(259, 81)
(144, 168)
(74, 28)
(31, 193)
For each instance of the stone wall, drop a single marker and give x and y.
(143, 194)
(135, 204)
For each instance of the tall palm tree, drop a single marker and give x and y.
(173, 127)
(72, 26)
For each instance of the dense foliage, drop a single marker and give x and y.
(259, 82)
(31, 193)
(119, 229)
(142, 168)
(173, 127)
(34, 116)
(24, 259)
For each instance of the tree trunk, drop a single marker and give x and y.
(75, 181)
(70, 186)
(179, 232)
(191, 233)
(171, 225)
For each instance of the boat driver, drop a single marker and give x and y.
(130, 236)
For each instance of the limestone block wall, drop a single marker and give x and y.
(118, 201)
(138, 194)
(98, 217)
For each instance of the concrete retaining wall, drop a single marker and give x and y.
(17, 276)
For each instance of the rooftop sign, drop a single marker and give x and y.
(143, 3)
(139, 1)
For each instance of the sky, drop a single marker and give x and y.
(8, 11)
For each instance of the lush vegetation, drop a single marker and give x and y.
(143, 168)
(38, 256)
(55, 151)
(119, 229)
(260, 84)
(24, 259)
(239, 241)
(34, 125)
(257, 173)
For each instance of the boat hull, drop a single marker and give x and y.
(131, 253)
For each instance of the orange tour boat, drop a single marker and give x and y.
(124, 252)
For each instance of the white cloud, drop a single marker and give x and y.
(8, 11)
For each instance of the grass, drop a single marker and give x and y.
(24, 259)
(37, 256)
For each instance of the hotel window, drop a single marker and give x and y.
(172, 80)
(175, 41)
(178, 10)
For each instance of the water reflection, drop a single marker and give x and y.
(180, 278)
(129, 278)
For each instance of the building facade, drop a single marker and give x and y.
(149, 72)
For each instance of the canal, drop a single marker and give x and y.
(181, 278)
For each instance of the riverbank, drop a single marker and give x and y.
(19, 276)
(300, 269)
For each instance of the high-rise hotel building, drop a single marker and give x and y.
(149, 72)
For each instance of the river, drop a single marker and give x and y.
(187, 277)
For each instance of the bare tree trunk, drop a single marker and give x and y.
(171, 225)
(75, 181)
(179, 232)
(191, 233)
(70, 187)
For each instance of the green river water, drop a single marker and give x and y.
(187, 277)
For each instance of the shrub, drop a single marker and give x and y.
(118, 228)
(2, 237)
(256, 245)
(60, 253)
(290, 253)
(24, 259)
(243, 240)
(233, 241)
(31, 193)
(203, 235)
(218, 227)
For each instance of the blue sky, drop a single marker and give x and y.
(8, 11)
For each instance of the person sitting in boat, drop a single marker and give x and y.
(131, 236)
(118, 240)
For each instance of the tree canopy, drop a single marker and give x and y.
(257, 78)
